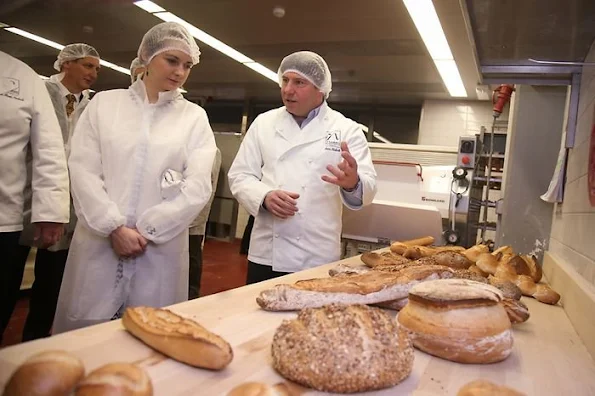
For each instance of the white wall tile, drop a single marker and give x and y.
(585, 122)
(576, 198)
(577, 162)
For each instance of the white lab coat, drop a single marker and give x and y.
(277, 154)
(146, 166)
(67, 124)
(27, 118)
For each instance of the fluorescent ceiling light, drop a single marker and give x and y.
(58, 46)
(207, 39)
(375, 134)
(451, 77)
(43, 77)
(428, 25)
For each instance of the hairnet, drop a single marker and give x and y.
(135, 64)
(167, 36)
(309, 65)
(74, 52)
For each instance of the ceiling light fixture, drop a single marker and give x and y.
(428, 25)
(207, 39)
(59, 47)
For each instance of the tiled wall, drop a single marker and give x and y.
(443, 121)
(573, 229)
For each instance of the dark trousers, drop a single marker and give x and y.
(195, 270)
(258, 273)
(247, 234)
(49, 268)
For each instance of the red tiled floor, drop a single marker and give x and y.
(224, 268)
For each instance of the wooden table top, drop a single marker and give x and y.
(548, 356)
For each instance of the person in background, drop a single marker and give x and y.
(78, 67)
(136, 70)
(140, 169)
(27, 123)
(197, 232)
(284, 175)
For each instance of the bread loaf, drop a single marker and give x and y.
(260, 389)
(179, 338)
(400, 247)
(486, 388)
(368, 288)
(373, 259)
(46, 373)
(474, 251)
(516, 310)
(458, 320)
(343, 349)
(508, 288)
(116, 379)
(348, 269)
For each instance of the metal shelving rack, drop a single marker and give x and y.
(487, 178)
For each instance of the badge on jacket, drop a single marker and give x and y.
(333, 141)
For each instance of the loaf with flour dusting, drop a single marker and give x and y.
(368, 288)
(458, 320)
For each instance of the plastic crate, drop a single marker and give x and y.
(352, 247)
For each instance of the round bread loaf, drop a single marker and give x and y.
(46, 373)
(343, 349)
(458, 320)
(259, 389)
(487, 388)
(116, 379)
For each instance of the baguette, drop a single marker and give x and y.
(400, 247)
(46, 373)
(121, 379)
(373, 259)
(179, 338)
(368, 288)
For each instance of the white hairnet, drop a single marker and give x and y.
(167, 36)
(135, 64)
(74, 52)
(309, 65)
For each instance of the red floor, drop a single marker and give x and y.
(224, 268)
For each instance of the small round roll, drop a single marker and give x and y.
(259, 389)
(46, 373)
(487, 388)
(116, 379)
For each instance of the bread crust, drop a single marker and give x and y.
(343, 349)
(458, 320)
(122, 379)
(179, 338)
(53, 372)
(487, 388)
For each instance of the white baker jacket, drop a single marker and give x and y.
(58, 94)
(27, 118)
(277, 154)
(141, 165)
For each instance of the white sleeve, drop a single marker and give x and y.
(169, 218)
(92, 204)
(245, 173)
(51, 199)
(359, 149)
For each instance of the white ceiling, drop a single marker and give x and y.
(372, 47)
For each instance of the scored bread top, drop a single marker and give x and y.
(455, 292)
(55, 356)
(369, 282)
(164, 322)
(118, 375)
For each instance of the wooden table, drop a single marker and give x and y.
(548, 356)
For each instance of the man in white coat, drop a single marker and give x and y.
(27, 119)
(295, 169)
(78, 66)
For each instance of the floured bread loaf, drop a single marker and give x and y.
(487, 388)
(458, 320)
(348, 269)
(46, 373)
(368, 288)
(179, 338)
(373, 259)
(343, 349)
(121, 379)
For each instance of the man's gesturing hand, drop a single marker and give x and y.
(345, 173)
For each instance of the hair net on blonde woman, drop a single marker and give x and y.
(167, 36)
(135, 64)
(74, 52)
(309, 65)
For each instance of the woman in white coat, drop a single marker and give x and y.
(285, 175)
(140, 168)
